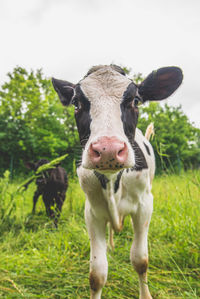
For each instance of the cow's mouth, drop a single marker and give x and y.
(107, 169)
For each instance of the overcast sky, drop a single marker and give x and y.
(66, 37)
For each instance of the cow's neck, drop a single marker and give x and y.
(110, 185)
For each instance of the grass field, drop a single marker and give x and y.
(39, 261)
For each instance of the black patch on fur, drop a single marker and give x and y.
(129, 112)
(160, 84)
(102, 179)
(147, 149)
(64, 89)
(140, 161)
(82, 115)
(116, 186)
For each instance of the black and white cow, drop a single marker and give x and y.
(118, 164)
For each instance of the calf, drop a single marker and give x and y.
(118, 162)
(52, 185)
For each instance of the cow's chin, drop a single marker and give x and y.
(106, 170)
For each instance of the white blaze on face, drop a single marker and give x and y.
(104, 89)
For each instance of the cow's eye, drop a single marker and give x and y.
(136, 101)
(77, 104)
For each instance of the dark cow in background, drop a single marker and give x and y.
(52, 185)
(118, 162)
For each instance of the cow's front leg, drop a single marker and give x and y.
(35, 199)
(139, 249)
(98, 260)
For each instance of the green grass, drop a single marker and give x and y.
(39, 261)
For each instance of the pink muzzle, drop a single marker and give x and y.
(108, 153)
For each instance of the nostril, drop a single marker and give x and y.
(122, 151)
(96, 154)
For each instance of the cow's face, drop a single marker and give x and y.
(106, 112)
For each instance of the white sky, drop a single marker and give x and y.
(66, 37)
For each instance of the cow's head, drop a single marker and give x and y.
(41, 180)
(35, 165)
(106, 111)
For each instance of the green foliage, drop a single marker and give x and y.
(39, 261)
(176, 141)
(33, 123)
(5, 203)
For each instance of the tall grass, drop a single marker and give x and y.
(39, 261)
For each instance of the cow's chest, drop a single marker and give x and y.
(112, 197)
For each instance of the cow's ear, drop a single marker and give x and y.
(30, 165)
(64, 89)
(160, 84)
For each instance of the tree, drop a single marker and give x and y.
(32, 120)
(176, 141)
(34, 125)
